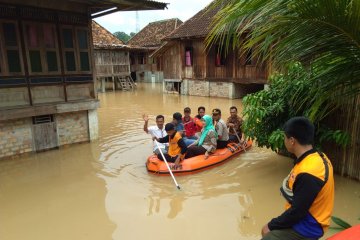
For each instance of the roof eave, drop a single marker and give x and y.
(104, 47)
(105, 7)
(184, 38)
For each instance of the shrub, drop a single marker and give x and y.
(266, 111)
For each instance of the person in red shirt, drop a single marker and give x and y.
(189, 124)
(189, 127)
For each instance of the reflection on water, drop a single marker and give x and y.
(53, 195)
(101, 190)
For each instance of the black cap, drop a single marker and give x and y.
(177, 116)
(216, 111)
(169, 127)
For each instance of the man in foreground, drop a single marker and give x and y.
(308, 189)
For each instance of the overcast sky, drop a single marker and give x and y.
(126, 21)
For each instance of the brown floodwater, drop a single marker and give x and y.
(101, 190)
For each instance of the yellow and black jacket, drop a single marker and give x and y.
(176, 144)
(309, 191)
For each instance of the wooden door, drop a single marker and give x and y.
(45, 136)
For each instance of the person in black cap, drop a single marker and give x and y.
(177, 146)
(221, 129)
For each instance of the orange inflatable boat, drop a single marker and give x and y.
(198, 163)
(352, 233)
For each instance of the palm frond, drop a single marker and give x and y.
(322, 33)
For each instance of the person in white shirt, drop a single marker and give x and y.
(156, 131)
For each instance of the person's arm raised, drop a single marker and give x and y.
(146, 120)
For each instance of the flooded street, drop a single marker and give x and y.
(101, 190)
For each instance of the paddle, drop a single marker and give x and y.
(167, 165)
(243, 147)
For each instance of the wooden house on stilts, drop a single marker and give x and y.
(47, 81)
(112, 61)
(143, 67)
(191, 69)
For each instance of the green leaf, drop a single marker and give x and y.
(321, 34)
(337, 228)
(340, 222)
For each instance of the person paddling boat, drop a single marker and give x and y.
(177, 146)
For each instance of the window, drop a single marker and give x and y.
(68, 38)
(188, 56)
(249, 57)
(159, 64)
(35, 61)
(69, 50)
(10, 51)
(152, 60)
(1, 61)
(43, 119)
(82, 38)
(220, 58)
(132, 60)
(42, 49)
(51, 48)
(76, 49)
(70, 61)
(142, 59)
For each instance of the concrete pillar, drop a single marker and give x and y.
(103, 85)
(161, 76)
(185, 87)
(93, 124)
